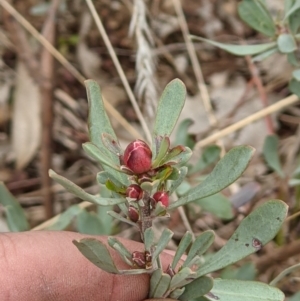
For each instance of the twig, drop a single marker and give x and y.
(119, 69)
(46, 88)
(261, 90)
(250, 119)
(59, 57)
(50, 222)
(195, 63)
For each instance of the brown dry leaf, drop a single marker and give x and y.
(26, 121)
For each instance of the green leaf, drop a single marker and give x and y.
(121, 249)
(260, 57)
(149, 239)
(237, 290)
(295, 297)
(182, 136)
(296, 74)
(256, 230)
(104, 177)
(15, 215)
(175, 156)
(176, 293)
(65, 218)
(80, 193)
(162, 151)
(159, 284)
(163, 241)
(218, 205)
(245, 272)
(99, 124)
(106, 220)
(286, 43)
(294, 21)
(227, 170)
(197, 288)
(200, 246)
(292, 59)
(294, 87)
(284, 273)
(96, 153)
(291, 9)
(112, 144)
(89, 223)
(183, 245)
(270, 152)
(241, 50)
(209, 156)
(168, 110)
(256, 15)
(183, 277)
(175, 184)
(97, 253)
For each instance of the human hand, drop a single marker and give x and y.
(46, 266)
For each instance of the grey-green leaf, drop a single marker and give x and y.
(149, 239)
(237, 290)
(168, 110)
(184, 276)
(183, 245)
(176, 183)
(294, 87)
(98, 154)
(291, 9)
(257, 229)
(89, 223)
(159, 284)
(65, 218)
(241, 50)
(163, 241)
(296, 74)
(209, 155)
(15, 215)
(227, 170)
(197, 288)
(256, 15)
(121, 249)
(96, 252)
(200, 246)
(218, 205)
(99, 123)
(79, 192)
(286, 43)
(263, 55)
(270, 152)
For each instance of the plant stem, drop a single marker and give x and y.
(145, 212)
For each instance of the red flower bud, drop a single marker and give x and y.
(133, 214)
(134, 191)
(161, 196)
(139, 259)
(137, 157)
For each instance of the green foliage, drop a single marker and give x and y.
(218, 205)
(284, 33)
(256, 15)
(15, 216)
(184, 279)
(168, 111)
(227, 170)
(270, 152)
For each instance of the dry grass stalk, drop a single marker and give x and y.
(145, 86)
